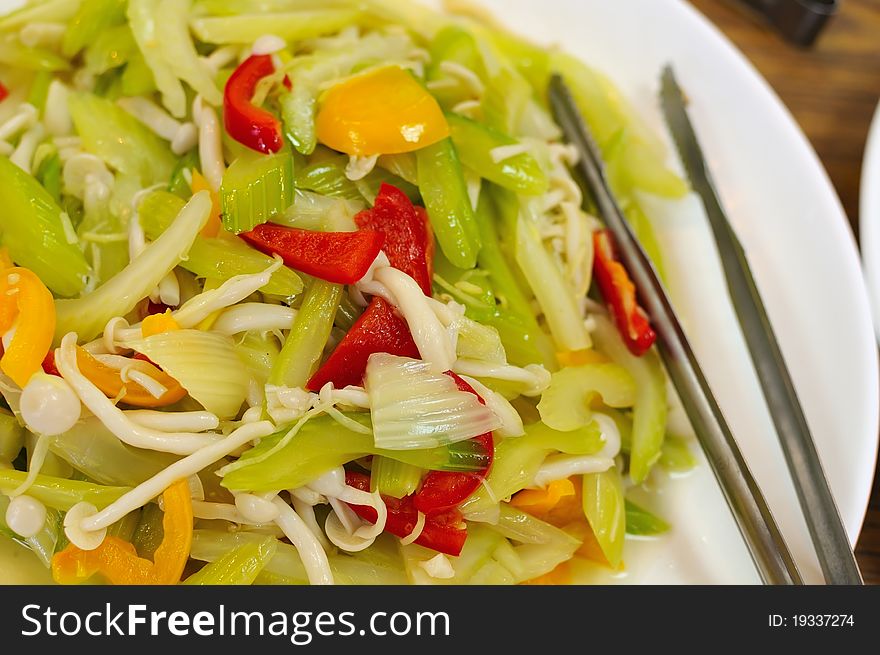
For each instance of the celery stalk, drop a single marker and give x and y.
(33, 232)
(62, 494)
(475, 143)
(111, 49)
(290, 26)
(650, 409)
(677, 456)
(565, 405)
(604, 508)
(239, 566)
(255, 188)
(118, 138)
(219, 258)
(326, 176)
(91, 20)
(11, 437)
(641, 522)
(442, 185)
(177, 48)
(59, 11)
(15, 55)
(39, 90)
(137, 78)
(308, 337)
(323, 444)
(298, 113)
(395, 478)
(88, 315)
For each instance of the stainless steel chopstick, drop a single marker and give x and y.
(750, 511)
(823, 520)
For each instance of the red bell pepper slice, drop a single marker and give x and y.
(4, 92)
(378, 330)
(49, 366)
(409, 242)
(620, 295)
(248, 124)
(442, 491)
(339, 257)
(442, 532)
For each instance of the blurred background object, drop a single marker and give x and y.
(799, 21)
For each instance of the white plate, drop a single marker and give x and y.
(869, 216)
(805, 261)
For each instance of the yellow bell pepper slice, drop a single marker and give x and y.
(109, 381)
(24, 297)
(117, 560)
(215, 222)
(383, 112)
(159, 324)
(538, 502)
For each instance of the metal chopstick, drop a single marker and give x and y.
(750, 511)
(823, 520)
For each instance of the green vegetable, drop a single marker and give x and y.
(149, 532)
(11, 437)
(99, 454)
(92, 19)
(33, 232)
(475, 142)
(258, 352)
(117, 137)
(326, 176)
(481, 544)
(298, 114)
(442, 185)
(650, 408)
(322, 444)
(453, 44)
(518, 460)
(62, 494)
(239, 566)
(604, 508)
(58, 11)
(204, 363)
(677, 456)
(88, 315)
(641, 522)
(113, 48)
(255, 188)
(178, 50)
(394, 478)
(15, 55)
(308, 337)
(137, 78)
(290, 26)
(220, 258)
(143, 21)
(49, 175)
(39, 90)
(565, 405)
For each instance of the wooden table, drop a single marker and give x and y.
(832, 89)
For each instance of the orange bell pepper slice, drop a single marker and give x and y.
(24, 297)
(117, 560)
(538, 502)
(109, 381)
(382, 112)
(159, 324)
(215, 223)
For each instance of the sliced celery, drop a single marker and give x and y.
(442, 185)
(49, 175)
(326, 176)
(39, 90)
(308, 337)
(565, 405)
(177, 48)
(236, 7)
(137, 78)
(323, 444)
(650, 409)
(458, 45)
(393, 478)
(219, 258)
(62, 494)
(481, 544)
(255, 188)
(33, 232)
(604, 508)
(111, 49)
(298, 114)
(641, 522)
(290, 26)
(239, 566)
(118, 138)
(475, 143)
(59, 11)
(91, 20)
(15, 55)
(258, 352)
(677, 456)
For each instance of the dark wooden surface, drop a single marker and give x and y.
(832, 89)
